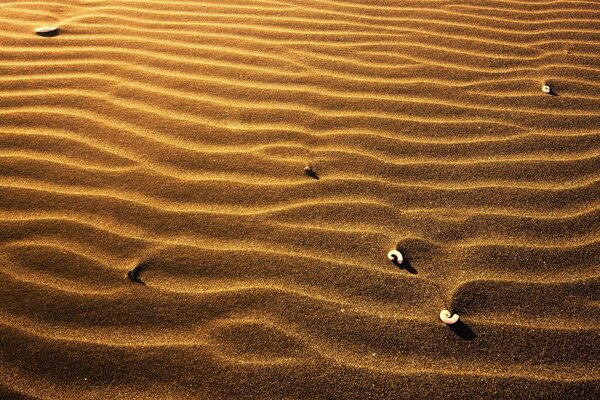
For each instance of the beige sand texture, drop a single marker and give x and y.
(174, 134)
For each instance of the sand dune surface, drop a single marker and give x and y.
(172, 135)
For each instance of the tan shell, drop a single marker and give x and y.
(546, 89)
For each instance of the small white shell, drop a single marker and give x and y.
(546, 89)
(45, 30)
(448, 318)
(395, 255)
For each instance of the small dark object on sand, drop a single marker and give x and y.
(134, 274)
(47, 31)
(310, 171)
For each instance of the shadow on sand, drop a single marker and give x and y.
(462, 330)
(134, 274)
(49, 33)
(405, 264)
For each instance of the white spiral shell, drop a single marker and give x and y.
(448, 318)
(395, 255)
(546, 89)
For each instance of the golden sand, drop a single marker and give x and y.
(174, 135)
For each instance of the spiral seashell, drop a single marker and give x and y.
(395, 255)
(448, 318)
(546, 89)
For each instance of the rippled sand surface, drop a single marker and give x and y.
(173, 134)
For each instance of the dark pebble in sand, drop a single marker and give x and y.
(311, 172)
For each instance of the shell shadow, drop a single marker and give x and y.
(405, 264)
(49, 34)
(313, 174)
(134, 274)
(462, 330)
